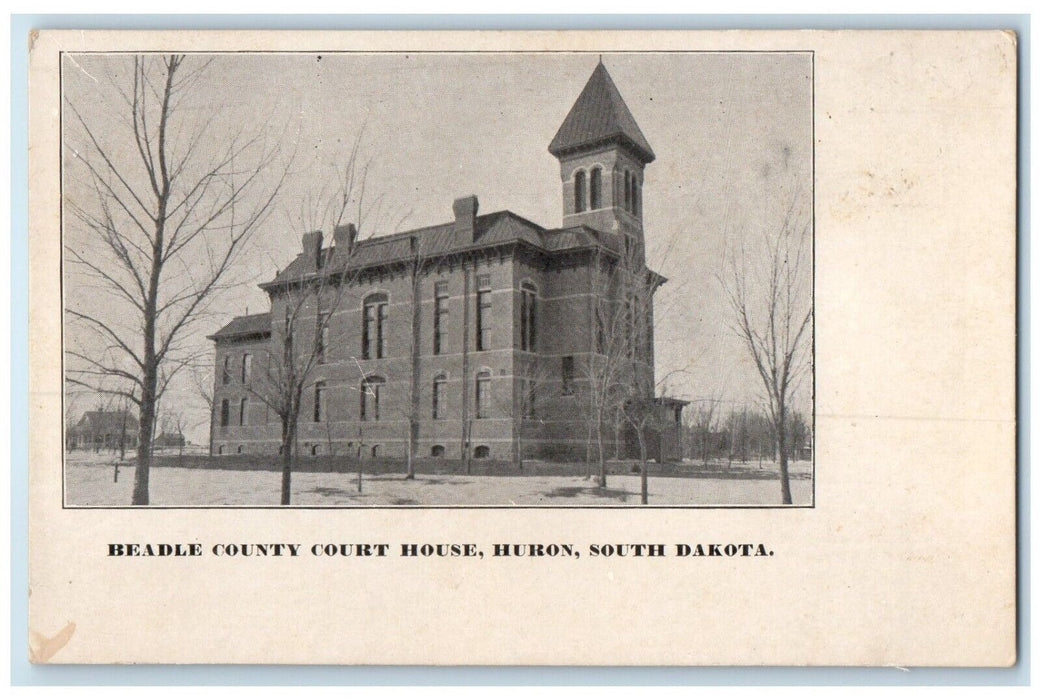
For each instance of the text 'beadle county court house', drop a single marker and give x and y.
(484, 328)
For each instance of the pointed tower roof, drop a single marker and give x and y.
(600, 115)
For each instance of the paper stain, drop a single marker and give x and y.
(42, 648)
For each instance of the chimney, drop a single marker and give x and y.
(465, 209)
(312, 250)
(345, 237)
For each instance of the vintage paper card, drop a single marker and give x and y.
(523, 348)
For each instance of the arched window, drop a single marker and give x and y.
(220, 449)
(628, 191)
(238, 450)
(483, 394)
(243, 410)
(529, 295)
(373, 322)
(375, 451)
(224, 413)
(594, 188)
(636, 197)
(440, 392)
(316, 450)
(580, 191)
(226, 373)
(481, 452)
(437, 451)
(369, 407)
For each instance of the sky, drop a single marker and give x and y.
(732, 133)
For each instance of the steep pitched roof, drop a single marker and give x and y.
(600, 115)
(254, 324)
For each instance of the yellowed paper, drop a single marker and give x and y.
(897, 544)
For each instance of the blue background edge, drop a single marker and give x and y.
(23, 673)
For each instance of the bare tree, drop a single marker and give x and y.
(423, 258)
(772, 309)
(704, 421)
(603, 388)
(73, 413)
(171, 204)
(304, 303)
(202, 385)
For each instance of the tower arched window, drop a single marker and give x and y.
(628, 191)
(594, 188)
(374, 321)
(636, 196)
(580, 191)
(369, 406)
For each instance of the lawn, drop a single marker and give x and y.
(201, 482)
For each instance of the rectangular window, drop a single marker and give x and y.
(243, 410)
(372, 337)
(484, 383)
(438, 407)
(368, 326)
(484, 312)
(600, 339)
(224, 411)
(630, 340)
(319, 390)
(381, 322)
(567, 375)
(440, 317)
(247, 368)
(288, 334)
(321, 337)
(528, 398)
(226, 371)
(370, 401)
(528, 318)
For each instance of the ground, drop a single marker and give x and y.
(89, 482)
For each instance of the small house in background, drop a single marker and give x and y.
(104, 430)
(170, 440)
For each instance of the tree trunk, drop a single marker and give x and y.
(288, 440)
(144, 440)
(361, 443)
(782, 444)
(600, 455)
(469, 446)
(518, 447)
(413, 441)
(589, 451)
(123, 437)
(643, 467)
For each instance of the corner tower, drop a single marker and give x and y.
(602, 155)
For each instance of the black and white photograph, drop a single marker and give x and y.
(438, 279)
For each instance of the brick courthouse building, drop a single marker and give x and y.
(502, 324)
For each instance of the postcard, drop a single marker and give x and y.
(555, 348)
